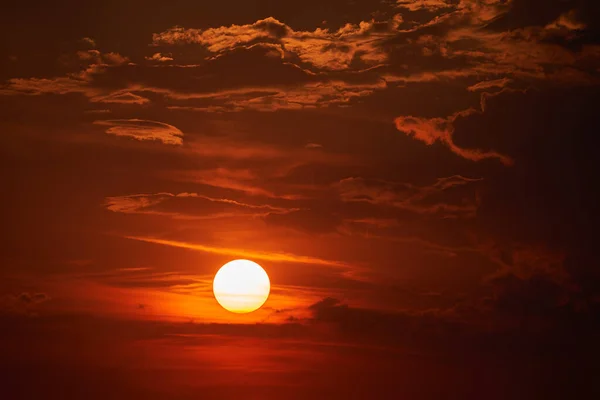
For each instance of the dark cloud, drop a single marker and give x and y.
(446, 197)
(549, 135)
(536, 297)
(32, 298)
(524, 13)
(22, 303)
(536, 310)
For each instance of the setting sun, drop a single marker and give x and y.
(241, 286)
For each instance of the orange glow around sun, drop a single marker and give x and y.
(241, 286)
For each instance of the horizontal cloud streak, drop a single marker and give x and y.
(143, 130)
(418, 199)
(256, 255)
(178, 206)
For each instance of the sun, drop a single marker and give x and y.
(241, 286)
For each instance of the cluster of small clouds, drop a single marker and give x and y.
(321, 48)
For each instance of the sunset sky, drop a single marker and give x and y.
(416, 177)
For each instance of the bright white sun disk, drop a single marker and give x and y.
(241, 286)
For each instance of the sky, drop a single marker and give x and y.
(416, 177)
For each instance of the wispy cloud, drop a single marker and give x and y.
(418, 199)
(143, 130)
(430, 5)
(485, 85)
(315, 94)
(188, 206)
(250, 254)
(120, 97)
(432, 130)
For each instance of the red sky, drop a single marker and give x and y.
(416, 177)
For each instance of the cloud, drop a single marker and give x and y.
(537, 13)
(264, 171)
(533, 281)
(88, 55)
(22, 303)
(133, 204)
(39, 86)
(298, 90)
(88, 42)
(143, 130)
(446, 197)
(159, 57)
(526, 50)
(175, 282)
(309, 96)
(534, 297)
(243, 180)
(502, 39)
(351, 46)
(318, 93)
(121, 97)
(432, 130)
(485, 85)
(308, 69)
(429, 5)
(188, 206)
(32, 298)
(567, 21)
(391, 329)
(250, 254)
(96, 57)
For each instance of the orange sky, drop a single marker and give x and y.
(416, 177)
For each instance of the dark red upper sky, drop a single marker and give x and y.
(417, 178)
